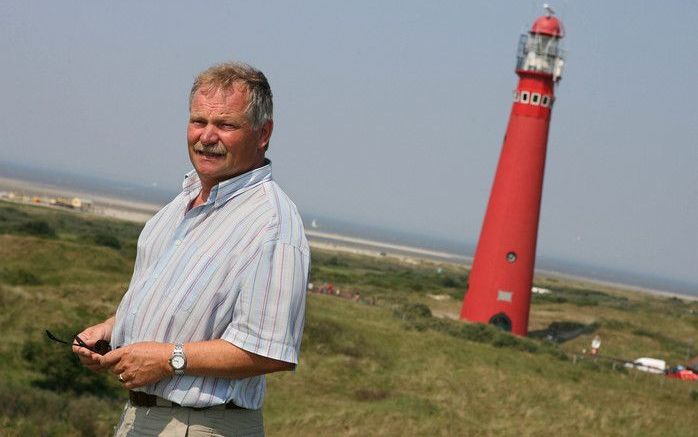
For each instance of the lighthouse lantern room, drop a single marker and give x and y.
(539, 50)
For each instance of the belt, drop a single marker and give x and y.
(140, 399)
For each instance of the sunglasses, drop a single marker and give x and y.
(101, 347)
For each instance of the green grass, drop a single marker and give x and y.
(386, 279)
(371, 373)
(392, 363)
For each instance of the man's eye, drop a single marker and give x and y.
(228, 126)
(197, 122)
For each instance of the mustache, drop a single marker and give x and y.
(215, 149)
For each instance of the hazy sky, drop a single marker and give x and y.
(386, 112)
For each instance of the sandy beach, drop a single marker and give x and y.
(370, 247)
(102, 205)
(140, 212)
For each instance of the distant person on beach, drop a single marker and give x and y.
(217, 297)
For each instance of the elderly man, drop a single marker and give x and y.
(217, 297)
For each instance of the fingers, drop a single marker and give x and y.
(90, 360)
(130, 379)
(95, 333)
(79, 350)
(129, 382)
(138, 364)
(114, 362)
(90, 336)
(86, 356)
(122, 365)
(112, 358)
(95, 368)
(117, 370)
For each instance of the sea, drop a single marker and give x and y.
(463, 249)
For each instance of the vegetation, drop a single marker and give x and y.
(383, 356)
(388, 280)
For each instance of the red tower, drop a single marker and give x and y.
(499, 288)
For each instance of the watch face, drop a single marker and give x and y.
(178, 362)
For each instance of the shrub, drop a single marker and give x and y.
(39, 228)
(335, 261)
(107, 240)
(580, 297)
(34, 412)
(412, 311)
(665, 340)
(418, 316)
(326, 335)
(19, 276)
(617, 325)
(460, 282)
(61, 371)
(416, 286)
(474, 332)
(548, 298)
(81, 416)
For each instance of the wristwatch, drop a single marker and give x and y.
(178, 361)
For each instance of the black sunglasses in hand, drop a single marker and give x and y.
(100, 347)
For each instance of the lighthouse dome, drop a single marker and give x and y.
(548, 25)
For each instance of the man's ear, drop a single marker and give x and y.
(265, 134)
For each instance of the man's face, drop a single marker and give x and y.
(222, 144)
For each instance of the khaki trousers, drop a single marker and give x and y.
(181, 421)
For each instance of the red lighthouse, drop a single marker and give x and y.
(499, 288)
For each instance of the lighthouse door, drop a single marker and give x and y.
(501, 321)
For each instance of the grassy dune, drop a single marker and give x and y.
(390, 362)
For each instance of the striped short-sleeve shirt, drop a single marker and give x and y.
(234, 268)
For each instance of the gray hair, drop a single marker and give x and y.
(260, 107)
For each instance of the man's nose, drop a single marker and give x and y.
(209, 135)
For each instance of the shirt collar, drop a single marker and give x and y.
(229, 188)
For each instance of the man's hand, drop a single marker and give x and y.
(139, 364)
(90, 336)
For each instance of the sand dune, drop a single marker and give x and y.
(140, 212)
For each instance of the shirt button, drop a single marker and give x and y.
(155, 276)
(177, 242)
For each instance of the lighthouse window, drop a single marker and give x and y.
(524, 96)
(535, 99)
(511, 257)
(516, 96)
(545, 101)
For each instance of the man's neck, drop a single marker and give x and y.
(200, 199)
(208, 184)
